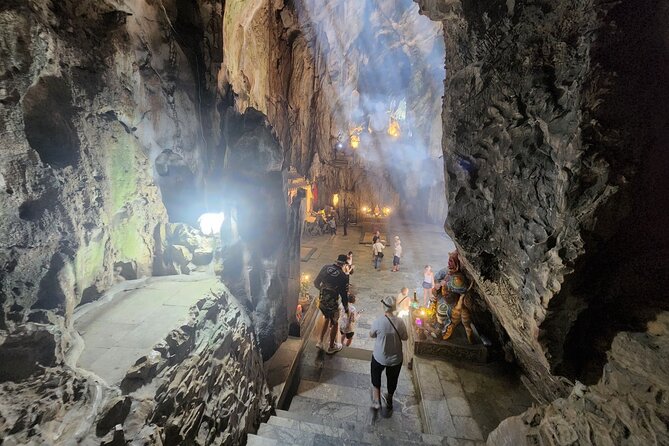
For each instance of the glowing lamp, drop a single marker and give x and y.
(394, 128)
(210, 223)
(355, 141)
(340, 145)
(365, 209)
(386, 211)
(419, 322)
(335, 200)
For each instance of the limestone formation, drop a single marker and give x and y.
(628, 406)
(204, 385)
(543, 172)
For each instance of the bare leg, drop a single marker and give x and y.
(326, 323)
(376, 393)
(333, 333)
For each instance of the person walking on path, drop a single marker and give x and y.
(428, 284)
(347, 323)
(333, 284)
(349, 266)
(377, 249)
(403, 301)
(397, 254)
(389, 332)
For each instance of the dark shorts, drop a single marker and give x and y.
(392, 374)
(348, 335)
(427, 285)
(396, 260)
(330, 308)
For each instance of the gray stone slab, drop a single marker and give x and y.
(439, 418)
(325, 429)
(459, 406)
(255, 440)
(430, 384)
(286, 436)
(466, 427)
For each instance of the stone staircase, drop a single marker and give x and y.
(332, 407)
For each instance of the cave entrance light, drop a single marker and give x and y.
(210, 222)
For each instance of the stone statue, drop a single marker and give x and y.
(457, 286)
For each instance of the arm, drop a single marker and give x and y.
(372, 332)
(344, 292)
(319, 279)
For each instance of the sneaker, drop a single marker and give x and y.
(388, 401)
(376, 405)
(337, 347)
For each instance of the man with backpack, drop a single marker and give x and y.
(332, 282)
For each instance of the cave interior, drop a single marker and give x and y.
(165, 165)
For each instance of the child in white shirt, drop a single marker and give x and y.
(347, 322)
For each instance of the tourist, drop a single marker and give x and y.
(348, 266)
(377, 237)
(347, 323)
(333, 225)
(428, 284)
(389, 332)
(333, 284)
(377, 250)
(403, 301)
(397, 254)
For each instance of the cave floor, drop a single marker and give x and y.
(459, 400)
(125, 324)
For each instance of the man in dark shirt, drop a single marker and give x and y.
(333, 284)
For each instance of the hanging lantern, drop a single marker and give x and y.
(335, 200)
(354, 141)
(394, 128)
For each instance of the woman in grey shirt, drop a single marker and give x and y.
(389, 331)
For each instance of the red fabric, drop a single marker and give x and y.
(314, 192)
(453, 262)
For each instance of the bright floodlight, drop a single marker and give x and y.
(210, 223)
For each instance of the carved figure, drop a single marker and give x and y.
(457, 283)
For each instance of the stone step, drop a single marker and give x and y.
(255, 440)
(325, 429)
(353, 374)
(359, 429)
(402, 419)
(291, 436)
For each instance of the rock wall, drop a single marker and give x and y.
(628, 406)
(315, 70)
(550, 126)
(90, 95)
(204, 384)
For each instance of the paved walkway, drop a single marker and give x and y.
(439, 402)
(120, 330)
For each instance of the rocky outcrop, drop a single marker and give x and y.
(543, 172)
(628, 406)
(203, 385)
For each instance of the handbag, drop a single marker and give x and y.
(380, 254)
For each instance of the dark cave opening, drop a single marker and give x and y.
(48, 116)
(618, 283)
